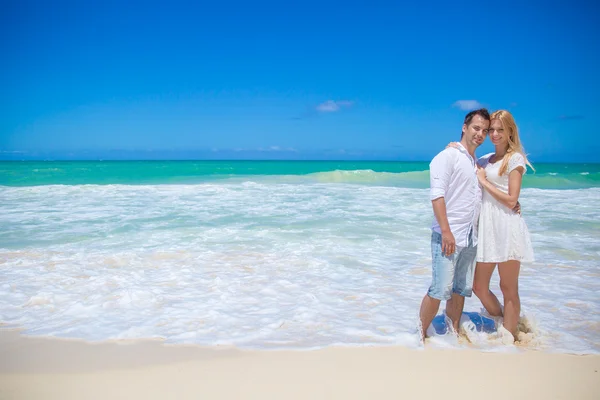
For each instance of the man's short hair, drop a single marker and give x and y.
(482, 112)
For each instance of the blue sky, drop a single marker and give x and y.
(300, 80)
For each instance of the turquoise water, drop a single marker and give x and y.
(386, 173)
(273, 254)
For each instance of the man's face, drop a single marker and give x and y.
(475, 132)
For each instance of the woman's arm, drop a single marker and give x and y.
(511, 198)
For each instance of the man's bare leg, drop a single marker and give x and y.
(429, 308)
(454, 309)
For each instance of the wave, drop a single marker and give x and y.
(415, 175)
(420, 179)
(562, 181)
(368, 176)
(411, 179)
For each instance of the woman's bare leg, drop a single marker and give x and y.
(509, 283)
(481, 287)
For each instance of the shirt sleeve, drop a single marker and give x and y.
(516, 160)
(440, 171)
(483, 160)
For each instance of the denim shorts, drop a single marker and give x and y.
(454, 273)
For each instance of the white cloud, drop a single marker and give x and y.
(333, 106)
(262, 149)
(571, 117)
(467, 105)
(277, 148)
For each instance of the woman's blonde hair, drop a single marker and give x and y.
(514, 143)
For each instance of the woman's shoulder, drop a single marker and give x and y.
(516, 160)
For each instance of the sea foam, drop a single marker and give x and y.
(274, 265)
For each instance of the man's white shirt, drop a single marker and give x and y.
(453, 176)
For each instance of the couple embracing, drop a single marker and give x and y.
(477, 223)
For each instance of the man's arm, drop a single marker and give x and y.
(440, 170)
(448, 241)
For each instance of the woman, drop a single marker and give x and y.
(503, 235)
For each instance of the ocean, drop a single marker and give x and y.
(274, 254)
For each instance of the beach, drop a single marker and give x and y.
(43, 368)
(233, 200)
(276, 280)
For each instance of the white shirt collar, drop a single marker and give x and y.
(463, 149)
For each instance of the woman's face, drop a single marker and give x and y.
(497, 134)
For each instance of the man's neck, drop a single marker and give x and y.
(470, 149)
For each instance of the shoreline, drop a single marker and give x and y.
(52, 368)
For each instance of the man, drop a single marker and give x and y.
(456, 199)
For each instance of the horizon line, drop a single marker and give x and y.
(254, 159)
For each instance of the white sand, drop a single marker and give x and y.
(44, 368)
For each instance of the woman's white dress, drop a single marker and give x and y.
(503, 234)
